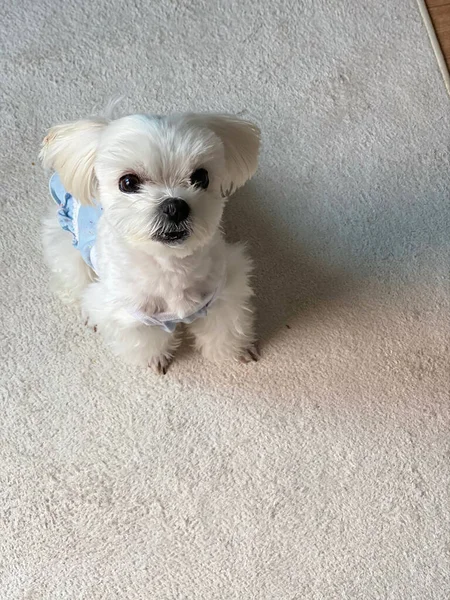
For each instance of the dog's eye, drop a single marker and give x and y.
(199, 178)
(129, 184)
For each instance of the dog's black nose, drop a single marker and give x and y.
(175, 209)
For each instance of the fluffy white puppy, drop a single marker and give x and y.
(142, 198)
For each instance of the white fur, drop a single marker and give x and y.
(135, 271)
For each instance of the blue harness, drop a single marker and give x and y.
(82, 221)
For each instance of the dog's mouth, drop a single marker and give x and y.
(171, 237)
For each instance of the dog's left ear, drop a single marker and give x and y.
(70, 150)
(241, 140)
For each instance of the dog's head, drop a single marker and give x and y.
(162, 181)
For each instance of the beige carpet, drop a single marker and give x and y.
(323, 471)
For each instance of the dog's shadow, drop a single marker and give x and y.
(288, 282)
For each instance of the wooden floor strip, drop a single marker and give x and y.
(436, 27)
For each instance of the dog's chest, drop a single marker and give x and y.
(173, 288)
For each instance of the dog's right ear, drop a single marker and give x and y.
(70, 150)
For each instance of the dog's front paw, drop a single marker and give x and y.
(90, 325)
(250, 354)
(160, 364)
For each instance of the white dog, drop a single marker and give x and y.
(157, 187)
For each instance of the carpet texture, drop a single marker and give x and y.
(323, 471)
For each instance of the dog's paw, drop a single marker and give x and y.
(250, 354)
(90, 325)
(160, 364)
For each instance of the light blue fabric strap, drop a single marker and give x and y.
(168, 321)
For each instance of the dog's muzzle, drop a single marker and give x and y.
(174, 214)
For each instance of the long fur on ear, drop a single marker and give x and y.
(70, 150)
(241, 140)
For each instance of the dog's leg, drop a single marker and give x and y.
(227, 330)
(135, 342)
(144, 345)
